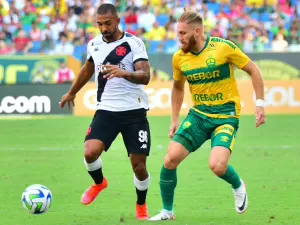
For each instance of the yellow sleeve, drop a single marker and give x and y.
(235, 55)
(177, 74)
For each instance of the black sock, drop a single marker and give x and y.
(141, 196)
(97, 175)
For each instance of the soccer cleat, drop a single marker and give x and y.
(141, 212)
(240, 198)
(91, 193)
(163, 215)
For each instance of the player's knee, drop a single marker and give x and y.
(170, 162)
(91, 152)
(139, 169)
(218, 167)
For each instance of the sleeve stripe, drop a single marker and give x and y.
(140, 59)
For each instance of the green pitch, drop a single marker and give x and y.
(50, 152)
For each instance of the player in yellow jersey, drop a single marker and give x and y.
(207, 64)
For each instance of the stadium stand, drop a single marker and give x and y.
(65, 26)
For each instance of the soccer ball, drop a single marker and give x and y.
(36, 199)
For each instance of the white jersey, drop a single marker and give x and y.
(118, 94)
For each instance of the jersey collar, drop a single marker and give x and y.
(205, 45)
(123, 34)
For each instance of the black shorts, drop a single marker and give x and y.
(132, 124)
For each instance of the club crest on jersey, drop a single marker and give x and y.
(211, 62)
(120, 51)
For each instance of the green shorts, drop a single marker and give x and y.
(197, 128)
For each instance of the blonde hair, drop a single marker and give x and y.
(190, 16)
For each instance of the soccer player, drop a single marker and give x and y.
(120, 63)
(207, 63)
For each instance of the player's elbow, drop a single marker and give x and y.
(147, 79)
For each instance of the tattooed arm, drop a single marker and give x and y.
(141, 75)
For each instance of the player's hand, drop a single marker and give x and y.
(67, 98)
(260, 116)
(112, 71)
(173, 128)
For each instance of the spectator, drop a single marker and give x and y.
(146, 19)
(157, 33)
(4, 48)
(47, 44)
(130, 17)
(251, 24)
(12, 18)
(64, 47)
(4, 38)
(35, 33)
(28, 18)
(249, 42)
(260, 41)
(39, 24)
(22, 43)
(279, 44)
(171, 34)
(130, 30)
(64, 74)
(77, 7)
(293, 38)
(8, 34)
(56, 27)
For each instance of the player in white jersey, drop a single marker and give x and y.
(120, 63)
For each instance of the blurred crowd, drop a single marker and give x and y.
(65, 26)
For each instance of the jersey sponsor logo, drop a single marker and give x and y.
(120, 51)
(101, 67)
(203, 76)
(224, 41)
(211, 73)
(226, 128)
(208, 98)
(23, 104)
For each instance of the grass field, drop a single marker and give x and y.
(50, 152)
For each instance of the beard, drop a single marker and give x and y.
(187, 47)
(109, 36)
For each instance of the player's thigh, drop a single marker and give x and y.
(224, 135)
(191, 133)
(103, 129)
(137, 136)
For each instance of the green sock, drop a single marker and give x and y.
(168, 181)
(232, 177)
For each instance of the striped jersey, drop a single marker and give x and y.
(118, 94)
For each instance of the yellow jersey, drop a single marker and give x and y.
(210, 74)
